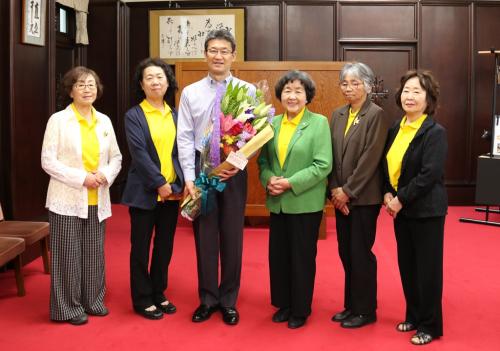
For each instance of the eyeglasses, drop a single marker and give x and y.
(82, 86)
(223, 52)
(353, 85)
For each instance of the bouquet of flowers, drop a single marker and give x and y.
(241, 125)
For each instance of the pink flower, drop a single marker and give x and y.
(226, 123)
(249, 130)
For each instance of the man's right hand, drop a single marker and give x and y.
(190, 189)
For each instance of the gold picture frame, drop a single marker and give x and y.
(180, 34)
(33, 22)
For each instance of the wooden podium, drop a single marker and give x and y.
(328, 97)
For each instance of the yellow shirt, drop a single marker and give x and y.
(162, 129)
(352, 116)
(287, 130)
(398, 148)
(90, 148)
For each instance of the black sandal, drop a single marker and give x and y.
(405, 327)
(421, 338)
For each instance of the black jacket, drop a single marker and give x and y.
(421, 187)
(144, 176)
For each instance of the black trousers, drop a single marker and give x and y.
(293, 242)
(356, 236)
(220, 233)
(420, 259)
(147, 285)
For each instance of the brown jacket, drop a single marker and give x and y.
(357, 156)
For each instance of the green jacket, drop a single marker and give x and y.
(307, 164)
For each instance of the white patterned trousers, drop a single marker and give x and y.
(77, 265)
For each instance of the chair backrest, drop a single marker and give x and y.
(1, 214)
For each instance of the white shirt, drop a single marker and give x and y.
(195, 111)
(62, 160)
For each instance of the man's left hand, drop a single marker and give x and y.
(227, 173)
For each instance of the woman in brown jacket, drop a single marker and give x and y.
(359, 131)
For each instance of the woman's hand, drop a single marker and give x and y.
(393, 207)
(164, 191)
(277, 185)
(345, 210)
(101, 179)
(339, 198)
(387, 198)
(227, 173)
(91, 181)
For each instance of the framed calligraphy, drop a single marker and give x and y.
(33, 22)
(180, 34)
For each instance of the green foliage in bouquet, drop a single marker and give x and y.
(235, 100)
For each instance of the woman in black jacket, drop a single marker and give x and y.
(154, 186)
(415, 196)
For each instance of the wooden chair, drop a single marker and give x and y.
(11, 249)
(31, 232)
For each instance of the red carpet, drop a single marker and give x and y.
(471, 300)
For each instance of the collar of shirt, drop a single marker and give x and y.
(213, 82)
(295, 120)
(81, 119)
(352, 113)
(413, 125)
(146, 106)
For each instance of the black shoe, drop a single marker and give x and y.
(281, 315)
(296, 322)
(154, 314)
(357, 321)
(341, 316)
(78, 320)
(203, 312)
(168, 309)
(230, 315)
(102, 313)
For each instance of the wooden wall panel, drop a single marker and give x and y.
(401, 57)
(309, 33)
(447, 54)
(102, 24)
(262, 33)
(29, 112)
(376, 21)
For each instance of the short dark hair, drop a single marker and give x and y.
(304, 79)
(222, 34)
(428, 83)
(138, 76)
(73, 75)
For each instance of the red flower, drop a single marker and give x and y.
(236, 129)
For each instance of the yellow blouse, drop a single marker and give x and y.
(90, 148)
(287, 130)
(398, 148)
(352, 116)
(162, 129)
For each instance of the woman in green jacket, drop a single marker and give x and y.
(294, 166)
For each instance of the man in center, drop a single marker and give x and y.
(220, 232)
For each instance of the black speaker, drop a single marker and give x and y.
(488, 180)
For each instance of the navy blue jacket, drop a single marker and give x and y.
(421, 187)
(144, 176)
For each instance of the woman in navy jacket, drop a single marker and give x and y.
(154, 186)
(415, 196)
